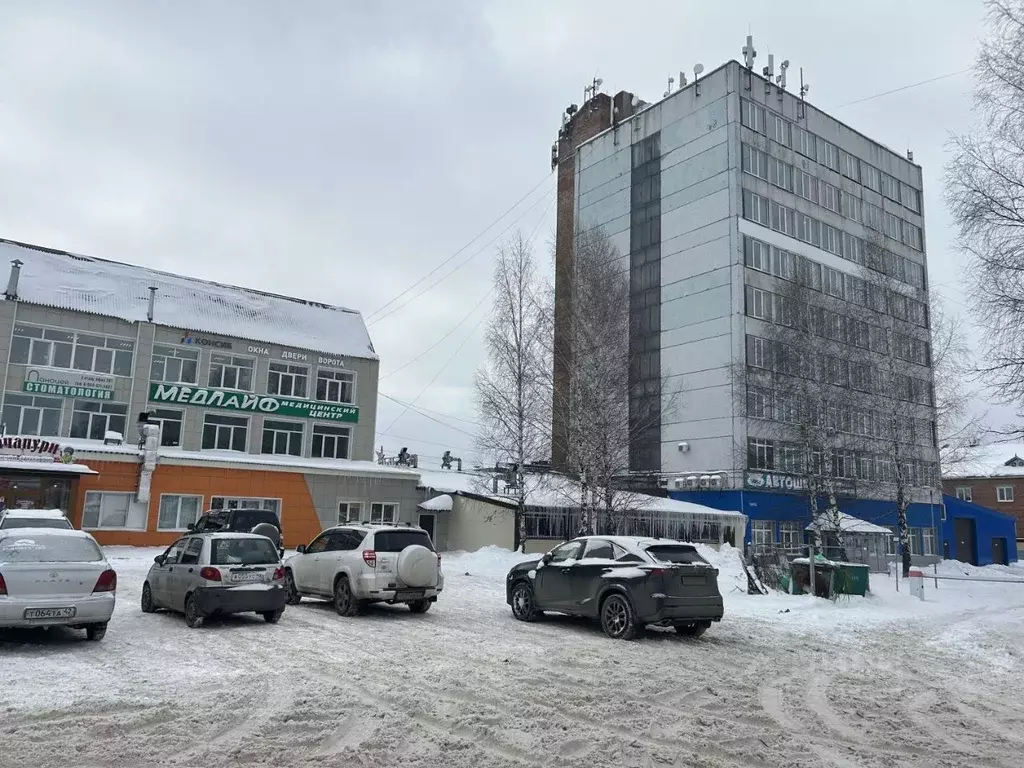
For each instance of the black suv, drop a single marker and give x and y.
(260, 521)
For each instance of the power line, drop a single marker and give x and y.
(431, 383)
(475, 238)
(414, 409)
(904, 88)
(415, 440)
(433, 346)
(486, 296)
(460, 265)
(428, 410)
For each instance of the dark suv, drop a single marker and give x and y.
(259, 521)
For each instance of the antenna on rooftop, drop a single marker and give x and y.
(671, 82)
(801, 110)
(749, 54)
(698, 68)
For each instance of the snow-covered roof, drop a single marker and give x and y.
(995, 460)
(552, 491)
(46, 467)
(851, 524)
(442, 503)
(450, 481)
(279, 463)
(113, 289)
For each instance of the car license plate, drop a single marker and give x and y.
(50, 613)
(409, 594)
(246, 577)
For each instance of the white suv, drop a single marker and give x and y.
(361, 563)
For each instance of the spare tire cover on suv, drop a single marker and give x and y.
(417, 566)
(270, 531)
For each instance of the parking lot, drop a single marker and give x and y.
(782, 681)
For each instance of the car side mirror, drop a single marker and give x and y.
(191, 526)
(546, 559)
(159, 559)
(301, 548)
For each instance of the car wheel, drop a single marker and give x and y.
(617, 617)
(272, 617)
(345, 602)
(291, 592)
(693, 629)
(95, 632)
(420, 606)
(148, 606)
(524, 605)
(192, 615)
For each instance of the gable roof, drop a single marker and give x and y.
(65, 280)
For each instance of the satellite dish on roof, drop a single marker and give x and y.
(698, 69)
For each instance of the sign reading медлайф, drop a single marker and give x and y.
(245, 401)
(89, 386)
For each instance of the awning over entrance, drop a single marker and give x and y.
(45, 467)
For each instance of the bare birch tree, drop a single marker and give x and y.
(959, 427)
(902, 394)
(512, 394)
(985, 192)
(604, 422)
(791, 386)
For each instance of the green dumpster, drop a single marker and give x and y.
(830, 577)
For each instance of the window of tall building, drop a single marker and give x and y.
(174, 365)
(92, 419)
(170, 421)
(335, 386)
(330, 442)
(282, 437)
(287, 380)
(760, 453)
(31, 414)
(225, 433)
(57, 348)
(230, 372)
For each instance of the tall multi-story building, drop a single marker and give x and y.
(718, 196)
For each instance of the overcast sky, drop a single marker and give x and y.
(339, 151)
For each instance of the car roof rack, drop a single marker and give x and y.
(380, 525)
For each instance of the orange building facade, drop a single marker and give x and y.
(307, 494)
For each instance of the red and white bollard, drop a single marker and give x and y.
(916, 581)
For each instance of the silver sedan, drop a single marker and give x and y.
(55, 577)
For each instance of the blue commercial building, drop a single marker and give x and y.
(949, 528)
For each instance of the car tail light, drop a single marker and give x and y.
(278, 574)
(657, 571)
(438, 559)
(3, 585)
(107, 582)
(210, 574)
(370, 558)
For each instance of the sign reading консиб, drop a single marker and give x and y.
(246, 401)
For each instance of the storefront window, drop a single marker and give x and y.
(38, 492)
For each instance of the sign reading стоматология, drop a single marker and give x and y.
(46, 381)
(246, 401)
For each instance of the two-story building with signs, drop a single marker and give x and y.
(260, 398)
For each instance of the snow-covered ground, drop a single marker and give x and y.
(783, 681)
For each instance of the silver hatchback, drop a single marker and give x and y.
(214, 574)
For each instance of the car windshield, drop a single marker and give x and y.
(34, 522)
(243, 552)
(675, 553)
(396, 541)
(247, 519)
(48, 549)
